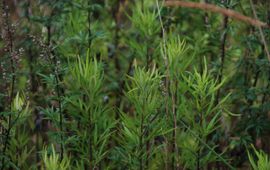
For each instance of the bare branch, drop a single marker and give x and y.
(216, 9)
(260, 30)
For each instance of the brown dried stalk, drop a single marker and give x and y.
(213, 8)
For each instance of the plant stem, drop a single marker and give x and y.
(198, 160)
(256, 78)
(174, 144)
(37, 150)
(165, 58)
(147, 56)
(141, 142)
(58, 91)
(223, 54)
(148, 147)
(89, 24)
(119, 92)
(206, 18)
(267, 87)
(9, 40)
(90, 142)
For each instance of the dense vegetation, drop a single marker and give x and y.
(125, 84)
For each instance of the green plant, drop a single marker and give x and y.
(145, 21)
(92, 123)
(141, 127)
(175, 54)
(53, 161)
(119, 84)
(203, 116)
(261, 162)
(15, 141)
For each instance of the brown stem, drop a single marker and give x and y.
(222, 57)
(119, 93)
(223, 54)
(167, 77)
(174, 138)
(9, 39)
(58, 91)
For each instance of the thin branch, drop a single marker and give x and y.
(223, 54)
(216, 9)
(260, 30)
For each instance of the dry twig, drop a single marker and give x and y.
(216, 9)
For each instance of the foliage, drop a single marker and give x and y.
(262, 163)
(118, 84)
(53, 162)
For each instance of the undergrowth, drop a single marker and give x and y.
(117, 84)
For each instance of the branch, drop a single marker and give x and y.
(260, 30)
(216, 9)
